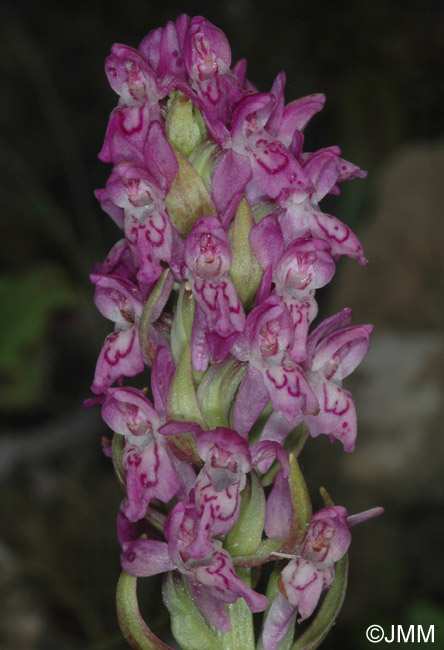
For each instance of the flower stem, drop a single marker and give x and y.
(133, 627)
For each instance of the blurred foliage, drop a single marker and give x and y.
(29, 301)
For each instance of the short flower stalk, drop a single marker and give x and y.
(216, 374)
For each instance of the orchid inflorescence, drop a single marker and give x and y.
(212, 288)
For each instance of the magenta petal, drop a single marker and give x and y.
(121, 356)
(270, 331)
(267, 241)
(186, 476)
(253, 109)
(264, 289)
(150, 46)
(163, 49)
(230, 178)
(161, 377)
(153, 239)
(277, 427)
(174, 428)
(289, 389)
(218, 512)
(220, 346)
(126, 134)
(177, 251)
(279, 509)
(252, 398)
(182, 26)
(328, 537)
(277, 90)
(145, 557)
(130, 76)
(306, 265)
(230, 210)
(302, 314)
(107, 205)
(337, 417)
(277, 622)
(221, 578)
(149, 475)
(118, 263)
(132, 188)
(207, 52)
(211, 605)
(207, 249)
(326, 327)
(240, 71)
(200, 350)
(264, 451)
(275, 169)
(297, 114)
(117, 299)
(229, 443)
(128, 412)
(170, 69)
(303, 584)
(159, 157)
(128, 531)
(219, 301)
(360, 517)
(322, 168)
(342, 351)
(341, 239)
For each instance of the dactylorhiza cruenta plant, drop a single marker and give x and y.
(212, 291)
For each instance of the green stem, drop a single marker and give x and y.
(133, 627)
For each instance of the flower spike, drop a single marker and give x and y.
(211, 287)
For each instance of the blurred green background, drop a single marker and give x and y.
(380, 64)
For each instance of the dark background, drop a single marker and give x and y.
(380, 64)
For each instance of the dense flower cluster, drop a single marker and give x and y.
(212, 286)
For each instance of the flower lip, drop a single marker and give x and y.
(209, 261)
(207, 250)
(269, 338)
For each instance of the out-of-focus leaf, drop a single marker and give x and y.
(28, 302)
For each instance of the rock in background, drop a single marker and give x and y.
(398, 388)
